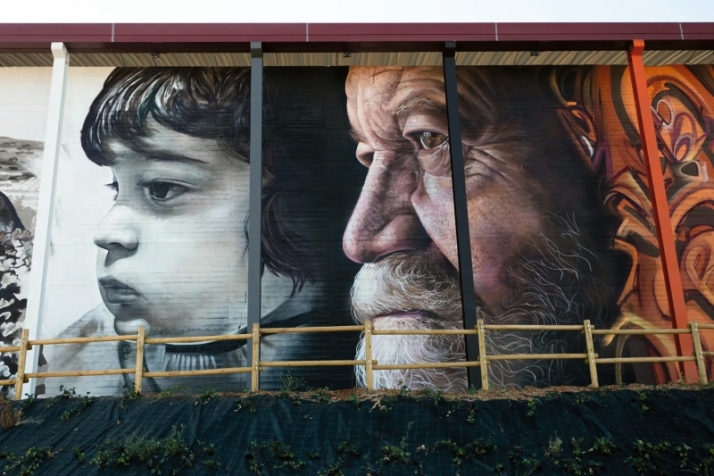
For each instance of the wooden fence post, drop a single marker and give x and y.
(696, 340)
(483, 361)
(255, 373)
(20, 375)
(139, 371)
(368, 354)
(590, 346)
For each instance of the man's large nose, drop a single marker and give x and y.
(117, 231)
(384, 221)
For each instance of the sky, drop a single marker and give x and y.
(346, 11)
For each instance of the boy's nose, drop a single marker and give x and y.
(117, 230)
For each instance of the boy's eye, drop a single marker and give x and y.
(162, 192)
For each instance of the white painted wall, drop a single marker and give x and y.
(81, 200)
(24, 93)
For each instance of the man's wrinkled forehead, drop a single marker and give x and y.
(378, 97)
(387, 84)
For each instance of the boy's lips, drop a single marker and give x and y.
(116, 292)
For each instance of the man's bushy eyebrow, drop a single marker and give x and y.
(419, 102)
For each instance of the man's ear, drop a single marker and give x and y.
(567, 86)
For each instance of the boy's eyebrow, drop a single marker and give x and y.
(172, 157)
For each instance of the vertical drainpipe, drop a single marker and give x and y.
(461, 213)
(256, 187)
(45, 205)
(660, 206)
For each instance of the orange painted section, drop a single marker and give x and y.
(660, 207)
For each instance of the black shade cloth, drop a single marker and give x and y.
(351, 437)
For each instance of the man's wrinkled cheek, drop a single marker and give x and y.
(434, 204)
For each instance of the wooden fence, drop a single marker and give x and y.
(371, 365)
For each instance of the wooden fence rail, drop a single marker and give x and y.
(368, 332)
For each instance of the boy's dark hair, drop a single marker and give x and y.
(210, 103)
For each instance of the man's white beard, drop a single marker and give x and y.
(554, 286)
(415, 349)
(403, 283)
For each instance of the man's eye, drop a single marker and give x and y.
(431, 140)
(434, 157)
(162, 192)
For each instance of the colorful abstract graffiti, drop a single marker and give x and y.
(561, 226)
(601, 115)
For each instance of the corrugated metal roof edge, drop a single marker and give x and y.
(126, 37)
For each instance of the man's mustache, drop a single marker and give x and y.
(406, 282)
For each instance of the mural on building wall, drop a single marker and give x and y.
(20, 162)
(560, 222)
